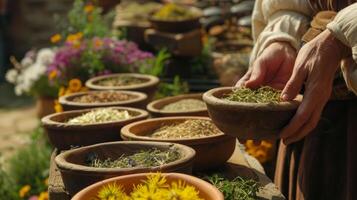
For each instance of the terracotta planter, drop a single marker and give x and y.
(76, 175)
(64, 136)
(249, 120)
(206, 190)
(139, 101)
(45, 106)
(211, 151)
(155, 107)
(149, 87)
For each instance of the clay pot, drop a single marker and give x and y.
(211, 151)
(149, 87)
(249, 120)
(45, 106)
(139, 101)
(76, 175)
(206, 190)
(155, 107)
(64, 136)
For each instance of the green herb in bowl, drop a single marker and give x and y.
(101, 115)
(263, 94)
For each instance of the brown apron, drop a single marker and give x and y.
(323, 166)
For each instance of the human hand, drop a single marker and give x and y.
(273, 67)
(316, 64)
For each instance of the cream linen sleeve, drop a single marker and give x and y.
(344, 27)
(279, 20)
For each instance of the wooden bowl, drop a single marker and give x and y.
(64, 136)
(76, 175)
(139, 101)
(149, 87)
(211, 151)
(178, 26)
(206, 190)
(249, 120)
(155, 107)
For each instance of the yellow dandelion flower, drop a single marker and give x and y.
(144, 192)
(52, 75)
(58, 108)
(24, 191)
(43, 196)
(88, 8)
(75, 85)
(179, 190)
(56, 38)
(156, 180)
(61, 91)
(112, 192)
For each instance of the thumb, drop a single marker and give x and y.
(257, 77)
(294, 85)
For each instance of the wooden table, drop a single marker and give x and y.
(240, 164)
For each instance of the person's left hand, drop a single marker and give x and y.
(316, 64)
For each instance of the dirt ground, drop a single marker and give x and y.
(15, 128)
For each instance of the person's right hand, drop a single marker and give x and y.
(272, 68)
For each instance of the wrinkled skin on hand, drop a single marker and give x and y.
(315, 66)
(273, 67)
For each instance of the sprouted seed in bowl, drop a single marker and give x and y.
(152, 157)
(101, 115)
(121, 81)
(192, 128)
(103, 97)
(264, 94)
(185, 105)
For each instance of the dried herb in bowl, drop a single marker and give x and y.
(101, 115)
(103, 97)
(145, 158)
(185, 105)
(264, 94)
(121, 81)
(193, 128)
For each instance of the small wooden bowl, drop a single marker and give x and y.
(211, 151)
(155, 107)
(76, 175)
(149, 87)
(178, 26)
(64, 136)
(249, 120)
(206, 190)
(67, 102)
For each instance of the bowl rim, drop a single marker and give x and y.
(47, 121)
(139, 96)
(204, 185)
(152, 81)
(63, 164)
(210, 99)
(151, 106)
(127, 134)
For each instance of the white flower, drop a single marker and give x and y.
(11, 75)
(26, 62)
(45, 56)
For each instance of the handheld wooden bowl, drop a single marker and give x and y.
(211, 151)
(148, 87)
(76, 175)
(155, 107)
(138, 101)
(206, 190)
(249, 120)
(64, 136)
